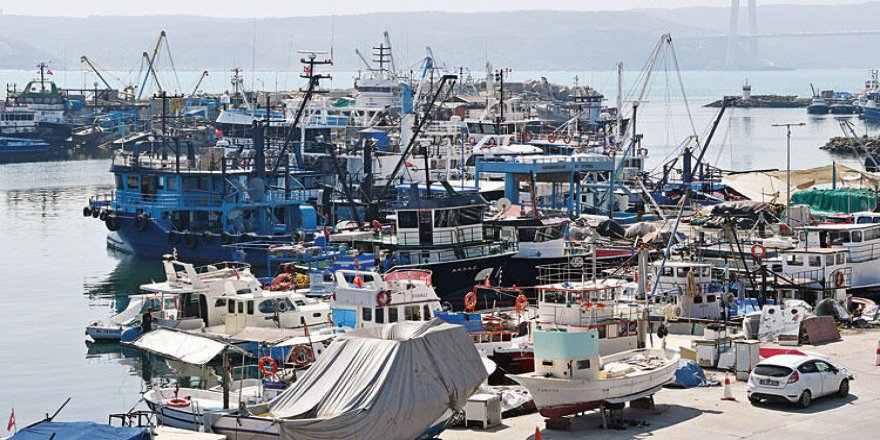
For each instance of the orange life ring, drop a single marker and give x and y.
(566, 139)
(470, 301)
(527, 137)
(758, 250)
(383, 298)
(267, 360)
(301, 356)
(521, 303)
(839, 280)
(179, 402)
(551, 137)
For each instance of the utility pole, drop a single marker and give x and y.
(788, 167)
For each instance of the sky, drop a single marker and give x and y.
(289, 8)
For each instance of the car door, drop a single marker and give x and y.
(809, 375)
(830, 380)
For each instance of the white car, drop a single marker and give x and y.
(797, 379)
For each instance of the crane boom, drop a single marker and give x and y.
(85, 59)
(195, 89)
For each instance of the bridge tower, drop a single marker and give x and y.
(731, 58)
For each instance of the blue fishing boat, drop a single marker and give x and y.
(175, 198)
(19, 149)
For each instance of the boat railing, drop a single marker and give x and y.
(834, 279)
(864, 252)
(136, 199)
(577, 268)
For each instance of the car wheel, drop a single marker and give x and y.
(843, 391)
(805, 400)
(754, 400)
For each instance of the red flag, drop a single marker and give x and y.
(409, 165)
(218, 132)
(307, 70)
(11, 423)
(49, 72)
(358, 281)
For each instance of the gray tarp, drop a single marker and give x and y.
(180, 346)
(389, 382)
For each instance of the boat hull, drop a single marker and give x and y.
(454, 279)
(561, 397)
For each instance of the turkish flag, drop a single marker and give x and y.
(49, 72)
(11, 423)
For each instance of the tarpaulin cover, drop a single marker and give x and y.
(180, 346)
(389, 382)
(767, 186)
(836, 201)
(689, 374)
(80, 431)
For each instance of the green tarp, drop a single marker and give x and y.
(838, 201)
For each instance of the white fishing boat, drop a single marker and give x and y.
(161, 306)
(362, 388)
(570, 376)
(367, 299)
(185, 408)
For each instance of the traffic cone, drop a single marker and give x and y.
(537, 433)
(877, 355)
(728, 393)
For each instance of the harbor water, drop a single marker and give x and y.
(58, 275)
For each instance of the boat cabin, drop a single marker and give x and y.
(567, 355)
(591, 306)
(286, 310)
(367, 299)
(861, 241)
(814, 274)
(689, 289)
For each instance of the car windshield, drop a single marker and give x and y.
(772, 370)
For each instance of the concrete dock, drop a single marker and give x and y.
(701, 414)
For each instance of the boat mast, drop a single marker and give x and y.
(619, 102)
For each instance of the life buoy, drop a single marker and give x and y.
(470, 301)
(173, 237)
(839, 279)
(190, 240)
(301, 356)
(566, 139)
(472, 140)
(383, 298)
(551, 137)
(179, 402)
(527, 137)
(758, 251)
(87, 212)
(141, 222)
(521, 303)
(112, 222)
(272, 363)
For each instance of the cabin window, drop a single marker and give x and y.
(710, 298)
(426, 313)
(267, 307)
(250, 307)
(582, 364)
(547, 364)
(829, 260)
(240, 307)
(707, 271)
(171, 183)
(119, 183)
(668, 271)
(698, 299)
(231, 308)
(407, 219)
(839, 237)
(814, 260)
(190, 183)
(221, 302)
(857, 236)
(367, 314)
(134, 182)
(841, 258)
(795, 260)
(380, 315)
(681, 272)
(392, 314)
(411, 313)
(603, 331)
(446, 218)
(471, 215)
